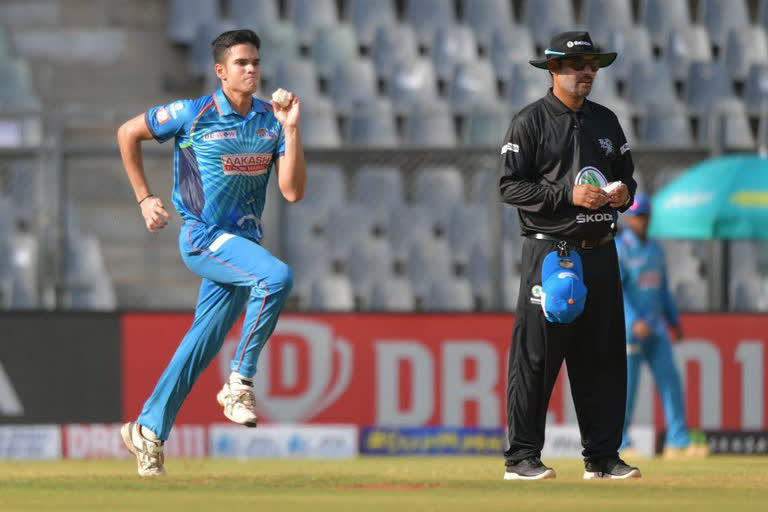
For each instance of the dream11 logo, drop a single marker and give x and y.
(295, 380)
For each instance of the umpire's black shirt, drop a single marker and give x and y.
(549, 149)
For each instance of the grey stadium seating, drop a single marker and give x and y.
(487, 16)
(310, 16)
(367, 15)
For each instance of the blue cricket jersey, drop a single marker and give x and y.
(222, 160)
(644, 281)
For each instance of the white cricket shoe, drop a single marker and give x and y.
(148, 452)
(237, 399)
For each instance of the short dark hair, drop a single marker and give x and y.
(231, 38)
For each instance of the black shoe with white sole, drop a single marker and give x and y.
(611, 468)
(529, 469)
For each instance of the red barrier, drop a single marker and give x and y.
(411, 370)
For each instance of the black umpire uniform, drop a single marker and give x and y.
(548, 150)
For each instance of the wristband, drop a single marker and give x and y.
(146, 197)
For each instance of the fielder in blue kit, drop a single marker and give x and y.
(649, 310)
(226, 146)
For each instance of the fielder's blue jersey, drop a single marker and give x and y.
(222, 160)
(644, 281)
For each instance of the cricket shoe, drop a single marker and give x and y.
(612, 468)
(148, 452)
(238, 400)
(529, 469)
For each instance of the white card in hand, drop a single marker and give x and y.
(611, 187)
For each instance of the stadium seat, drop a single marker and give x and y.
(525, 84)
(478, 272)
(367, 15)
(279, 43)
(707, 85)
(604, 88)
(412, 83)
(25, 261)
(199, 58)
(485, 17)
(744, 47)
(6, 50)
(756, 88)
(651, 83)
(450, 295)
(661, 16)
(298, 76)
(686, 45)
(484, 186)
(372, 125)
(393, 45)
(469, 226)
(727, 123)
(546, 17)
(380, 186)
(510, 223)
(602, 17)
(428, 262)
(762, 14)
(426, 16)
(353, 81)
(254, 14)
(721, 17)
(310, 16)
(353, 223)
(430, 125)
(633, 45)
(17, 90)
(369, 260)
(310, 261)
(511, 45)
(319, 128)
(186, 16)
(331, 293)
(392, 294)
(667, 126)
(438, 186)
(473, 84)
(325, 186)
(88, 286)
(331, 46)
(407, 225)
(451, 46)
(486, 125)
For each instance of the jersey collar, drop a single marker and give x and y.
(225, 109)
(558, 107)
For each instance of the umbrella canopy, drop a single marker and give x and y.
(724, 198)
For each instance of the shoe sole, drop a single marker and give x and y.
(249, 424)
(125, 433)
(546, 475)
(596, 475)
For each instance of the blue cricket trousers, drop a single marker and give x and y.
(657, 350)
(236, 271)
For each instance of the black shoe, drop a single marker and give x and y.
(611, 467)
(529, 469)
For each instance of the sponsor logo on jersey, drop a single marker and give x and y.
(162, 115)
(176, 107)
(649, 279)
(225, 134)
(266, 134)
(606, 145)
(247, 164)
(624, 148)
(583, 218)
(536, 294)
(510, 147)
(591, 176)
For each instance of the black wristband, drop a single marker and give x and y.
(146, 197)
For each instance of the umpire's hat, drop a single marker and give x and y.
(573, 44)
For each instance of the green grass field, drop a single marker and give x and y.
(731, 484)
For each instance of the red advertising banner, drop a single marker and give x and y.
(416, 370)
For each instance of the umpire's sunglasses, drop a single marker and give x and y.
(578, 64)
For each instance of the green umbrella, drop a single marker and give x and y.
(724, 198)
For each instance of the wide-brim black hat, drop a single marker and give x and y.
(573, 44)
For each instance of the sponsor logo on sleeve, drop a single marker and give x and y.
(162, 115)
(246, 164)
(176, 107)
(606, 145)
(510, 147)
(624, 148)
(221, 135)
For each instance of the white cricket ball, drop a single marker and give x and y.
(281, 97)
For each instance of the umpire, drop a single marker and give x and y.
(560, 155)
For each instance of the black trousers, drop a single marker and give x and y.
(594, 349)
